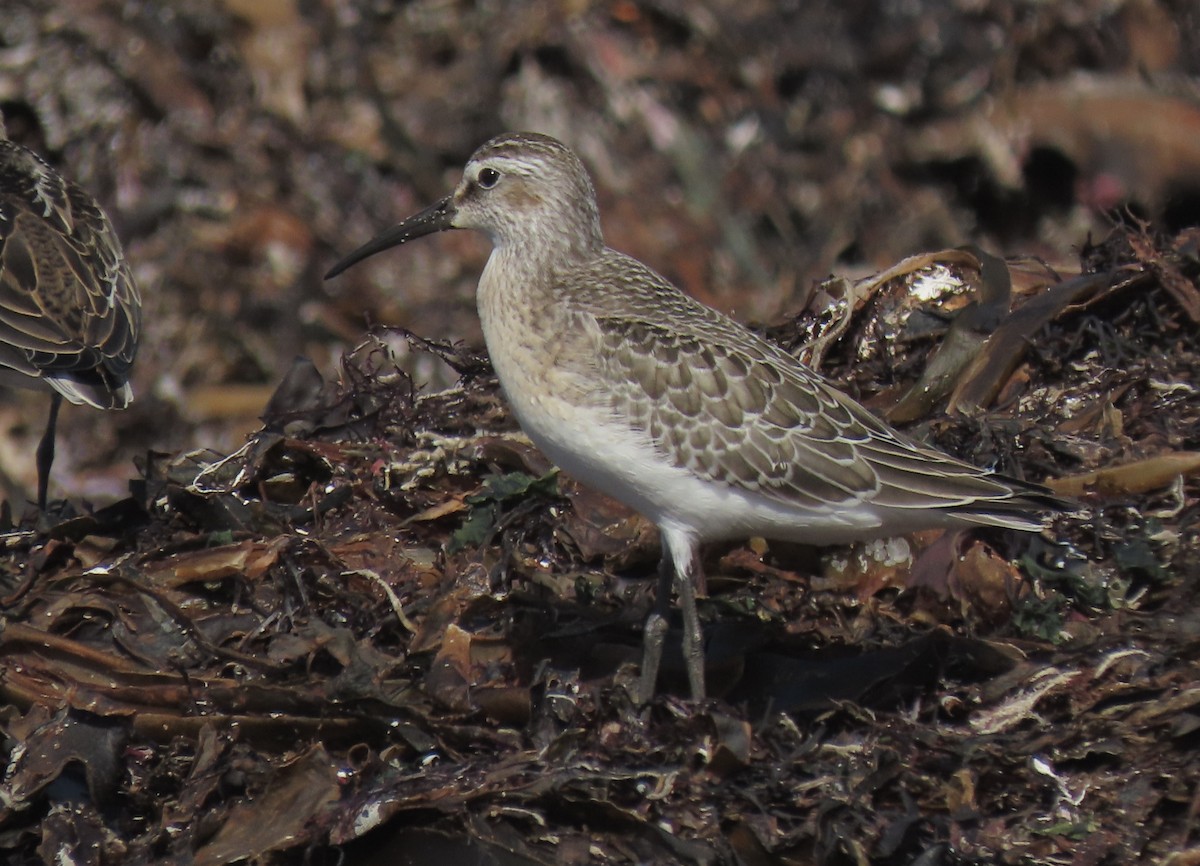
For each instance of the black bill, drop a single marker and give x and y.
(434, 218)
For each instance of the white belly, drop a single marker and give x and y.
(622, 463)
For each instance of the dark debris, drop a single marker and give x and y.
(392, 626)
(375, 627)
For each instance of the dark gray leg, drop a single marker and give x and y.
(45, 450)
(656, 628)
(693, 637)
(655, 633)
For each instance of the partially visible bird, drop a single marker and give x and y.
(70, 314)
(671, 407)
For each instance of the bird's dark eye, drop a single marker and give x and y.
(488, 177)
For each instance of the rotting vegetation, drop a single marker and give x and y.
(384, 628)
(386, 623)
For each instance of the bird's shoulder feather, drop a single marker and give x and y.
(720, 401)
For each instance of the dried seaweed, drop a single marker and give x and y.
(270, 649)
(452, 638)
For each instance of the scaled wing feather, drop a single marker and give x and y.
(69, 309)
(716, 399)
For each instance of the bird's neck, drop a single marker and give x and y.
(522, 271)
(515, 281)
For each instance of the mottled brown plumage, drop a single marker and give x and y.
(70, 313)
(667, 405)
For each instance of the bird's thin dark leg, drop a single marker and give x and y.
(669, 575)
(655, 633)
(45, 451)
(666, 585)
(693, 637)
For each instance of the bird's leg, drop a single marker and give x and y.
(655, 632)
(45, 450)
(693, 637)
(666, 585)
(656, 627)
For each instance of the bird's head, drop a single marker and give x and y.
(519, 188)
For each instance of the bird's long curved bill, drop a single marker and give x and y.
(434, 218)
